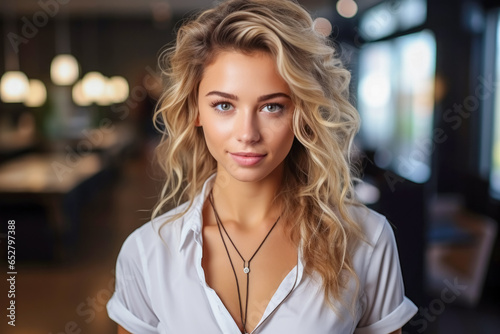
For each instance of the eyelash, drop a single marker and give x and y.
(216, 103)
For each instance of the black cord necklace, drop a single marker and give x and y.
(246, 265)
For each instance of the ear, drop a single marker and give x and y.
(197, 121)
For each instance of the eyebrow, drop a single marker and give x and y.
(260, 99)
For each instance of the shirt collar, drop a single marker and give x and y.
(193, 220)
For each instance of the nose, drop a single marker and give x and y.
(247, 127)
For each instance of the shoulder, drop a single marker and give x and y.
(374, 226)
(379, 244)
(152, 236)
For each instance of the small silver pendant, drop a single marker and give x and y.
(246, 270)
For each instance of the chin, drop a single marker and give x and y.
(250, 174)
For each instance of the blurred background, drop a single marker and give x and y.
(79, 82)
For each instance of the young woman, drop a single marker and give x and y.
(265, 235)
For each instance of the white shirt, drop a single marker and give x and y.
(161, 286)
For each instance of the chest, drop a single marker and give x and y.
(246, 294)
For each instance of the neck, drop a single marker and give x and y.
(249, 205)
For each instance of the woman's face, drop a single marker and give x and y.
(245, 108)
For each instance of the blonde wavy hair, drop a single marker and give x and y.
(317, 184)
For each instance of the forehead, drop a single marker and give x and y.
(235, 71)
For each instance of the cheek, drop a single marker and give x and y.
(287, 142)
(215, 134)
(212, 123)
(280, 132)
(211, 143)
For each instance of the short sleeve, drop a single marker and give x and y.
(130, 305)
(386, 307)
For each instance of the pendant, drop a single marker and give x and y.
(246, 270)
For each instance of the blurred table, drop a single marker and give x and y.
(44, 173)
(53, 187)
(49, 181)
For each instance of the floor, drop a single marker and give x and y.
(70, 296)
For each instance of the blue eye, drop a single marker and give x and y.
(222, 106)
(274, 108)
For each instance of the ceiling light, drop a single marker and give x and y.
(79, 97)
(64, 70)
(37, 94)
(93, 85)
(14, 87)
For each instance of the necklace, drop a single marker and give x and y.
(246, 264)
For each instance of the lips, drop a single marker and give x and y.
(248, 154)
(247, 158)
